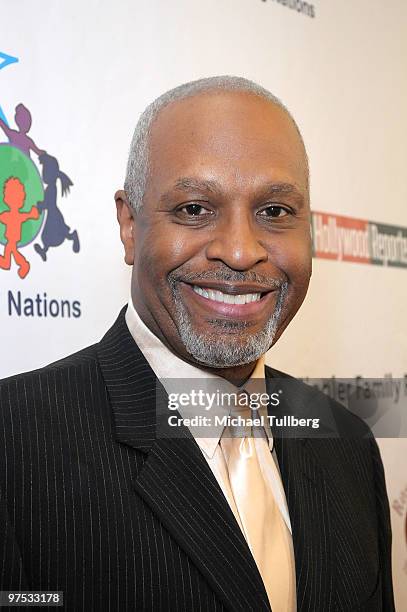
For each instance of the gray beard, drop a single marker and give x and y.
(222, 349)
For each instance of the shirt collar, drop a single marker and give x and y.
(166, 366)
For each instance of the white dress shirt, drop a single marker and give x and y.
(167, 366)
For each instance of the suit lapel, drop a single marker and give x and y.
(304, 479)
(180, 488)
(307, 501)
(176, 481)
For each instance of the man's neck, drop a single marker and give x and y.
(237, 376)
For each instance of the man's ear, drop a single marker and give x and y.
(126, 222)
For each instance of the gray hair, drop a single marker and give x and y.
(138, 162)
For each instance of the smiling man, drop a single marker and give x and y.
(221, 241)
(96, 501)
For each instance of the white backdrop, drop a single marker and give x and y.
(86, 71)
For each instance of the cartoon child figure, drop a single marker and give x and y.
(14, 197)
(18, 138)
(55, 231)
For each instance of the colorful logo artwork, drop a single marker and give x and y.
(30, 194)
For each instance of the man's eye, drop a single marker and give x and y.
(274, 211)
(194, 210)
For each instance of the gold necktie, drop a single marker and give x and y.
(264, 527)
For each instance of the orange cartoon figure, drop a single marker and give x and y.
(14, 196)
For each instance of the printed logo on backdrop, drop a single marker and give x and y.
(32, 187)
(357, 240)
(399, 505)
(300, 6)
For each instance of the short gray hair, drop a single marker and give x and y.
(138, 162)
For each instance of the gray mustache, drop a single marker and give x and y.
(231, 276)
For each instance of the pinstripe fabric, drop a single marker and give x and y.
(91, 503)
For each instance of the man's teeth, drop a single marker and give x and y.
(227, 298)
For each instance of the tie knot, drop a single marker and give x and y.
(244, 423)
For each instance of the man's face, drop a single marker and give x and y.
(221, 248)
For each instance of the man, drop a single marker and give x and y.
(98, 499)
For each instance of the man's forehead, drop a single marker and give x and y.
(234, 126)
(236, 105)
(237, 116)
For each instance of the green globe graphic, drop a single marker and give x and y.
(14, 163)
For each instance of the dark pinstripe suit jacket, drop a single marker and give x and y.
(94, 505)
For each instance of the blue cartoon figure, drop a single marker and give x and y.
(55, 229)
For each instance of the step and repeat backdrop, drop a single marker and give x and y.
(74, 78)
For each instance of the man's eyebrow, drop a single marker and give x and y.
(271, 189)
(187, 183)
(282, 189)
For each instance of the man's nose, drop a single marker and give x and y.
(236, 242)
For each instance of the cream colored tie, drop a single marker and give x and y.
(263, 525)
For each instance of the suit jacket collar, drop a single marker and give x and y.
(131, 384)
(178, 485)
(176, 481)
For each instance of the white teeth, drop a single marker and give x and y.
(227, 298)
